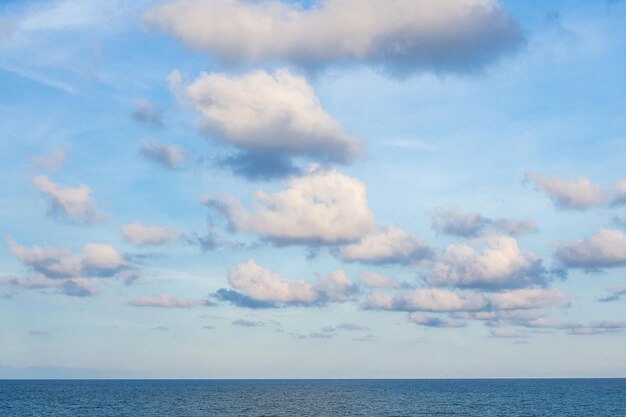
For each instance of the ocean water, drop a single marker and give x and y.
(189, 398)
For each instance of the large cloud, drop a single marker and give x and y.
(96, 260)
(140, 234)
(259, 287)
(500, 264)
(388, 245)
(69, 203)
(322, 206)
(403, 36)
(604, 249)
(577, 194)
(267, 115)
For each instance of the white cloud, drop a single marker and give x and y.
(262, 284)
(455, 223)
(604, 249)
(140, 234)
(96, 260)
(374, 280)
(322, 206)
(77, 287)
(387, 245)
(404, 36)
(528, 298)
(67, 202)
(168, 155)
(620, 193)
(261, 112)
(500, 264)
(427, 299)
(577, 194)
(509, 334)
(335, 287)
(165, 301)
(426, 321)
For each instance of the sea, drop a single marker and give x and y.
(190, 398)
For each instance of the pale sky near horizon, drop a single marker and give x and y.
(312, 189)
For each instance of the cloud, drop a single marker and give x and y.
(140, 234)
(615, 292)
(427, 299)
(528, 298)
(7, 27)
(437, 322)
(146, 112)
(594, 328)
(374, 280)
(259, 165)
(500, 264)
(75, 287)
(248, 323)
(320, 207)
(604, 249)
(272, 117)
(258, 287)
(577, 194)
(50, 162)
(262, 284)
(453, 222)
(167, 155)
(508, 334)
(348, 327)
(165, 301)
(385, 246)
(401, 36)
(74, 204)
(96, 260)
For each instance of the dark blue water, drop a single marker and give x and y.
(480, 398)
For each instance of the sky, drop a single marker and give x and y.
(312, 189)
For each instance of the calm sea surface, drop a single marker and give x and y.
(480, 398)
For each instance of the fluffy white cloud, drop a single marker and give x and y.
(335, 287)
(165, 301)
(387, 245)
(604, 249)
(263, 112)
(322, 206)
(374, 280)
(578, 194)
(500, 264)
(403, 35)
(528, 298)
(262, 284)
(167, 155)
(96, 260)
(427, 299)
(140, 234)
(71, 203)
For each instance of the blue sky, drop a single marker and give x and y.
(189, 191)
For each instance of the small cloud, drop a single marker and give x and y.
(167, 155)
(604, 249)
(166, 301)
(145, 112)
(140, 234)
(434, 322)
(499, 333)
(161, 328)
(74, 204)
(574, 194)
(50, 162)
(38, 333)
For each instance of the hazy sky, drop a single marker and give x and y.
(323, 188)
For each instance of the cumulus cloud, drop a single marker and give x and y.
(165, 301)
(320, 207)
(528, 298)
(140, 234)
(454, 222)
(96, 260)
(374, 280)
(258, 287)
(500, 264)
(167, 155)
(145, 112)
(269, 117)
(576, 194)
(426, 299)
(399, 35)
(50, 162)
(426, 321)
(385, 246)
(69, 203)
(604, 249)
